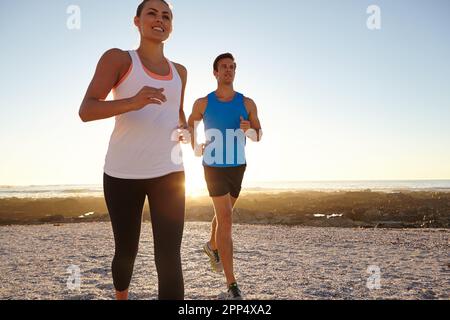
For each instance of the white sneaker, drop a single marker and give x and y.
(214, 258)
(234, 293)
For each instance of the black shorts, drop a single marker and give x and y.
(224, 180)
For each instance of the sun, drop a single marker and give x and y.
(195, 180)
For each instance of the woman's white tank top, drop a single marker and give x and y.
(141, 146)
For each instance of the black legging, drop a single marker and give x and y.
(125, 200)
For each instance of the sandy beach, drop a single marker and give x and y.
(272, 262)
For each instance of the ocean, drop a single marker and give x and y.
(93, 190)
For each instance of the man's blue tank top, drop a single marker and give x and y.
(225, 142)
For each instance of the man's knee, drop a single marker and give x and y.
(225, 223)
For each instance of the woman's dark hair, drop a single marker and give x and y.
(220, 57)
(141, 6)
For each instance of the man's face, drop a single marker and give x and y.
(226, 70)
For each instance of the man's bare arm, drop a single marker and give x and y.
(255, 124)
(196, 116)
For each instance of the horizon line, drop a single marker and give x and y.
(252, 181)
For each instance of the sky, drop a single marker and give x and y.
(337, 100)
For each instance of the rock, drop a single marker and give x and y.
(372, 214)
(392, 224)
(52, 218)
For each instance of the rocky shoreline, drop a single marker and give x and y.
(360, 209)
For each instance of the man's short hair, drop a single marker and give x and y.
(220, 57)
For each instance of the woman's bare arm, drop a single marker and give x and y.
(111, 67)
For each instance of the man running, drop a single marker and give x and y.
(229, 118)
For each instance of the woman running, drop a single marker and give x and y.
(148, 93)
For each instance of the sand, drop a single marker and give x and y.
(272, 262)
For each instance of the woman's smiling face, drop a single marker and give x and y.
(155, 21)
